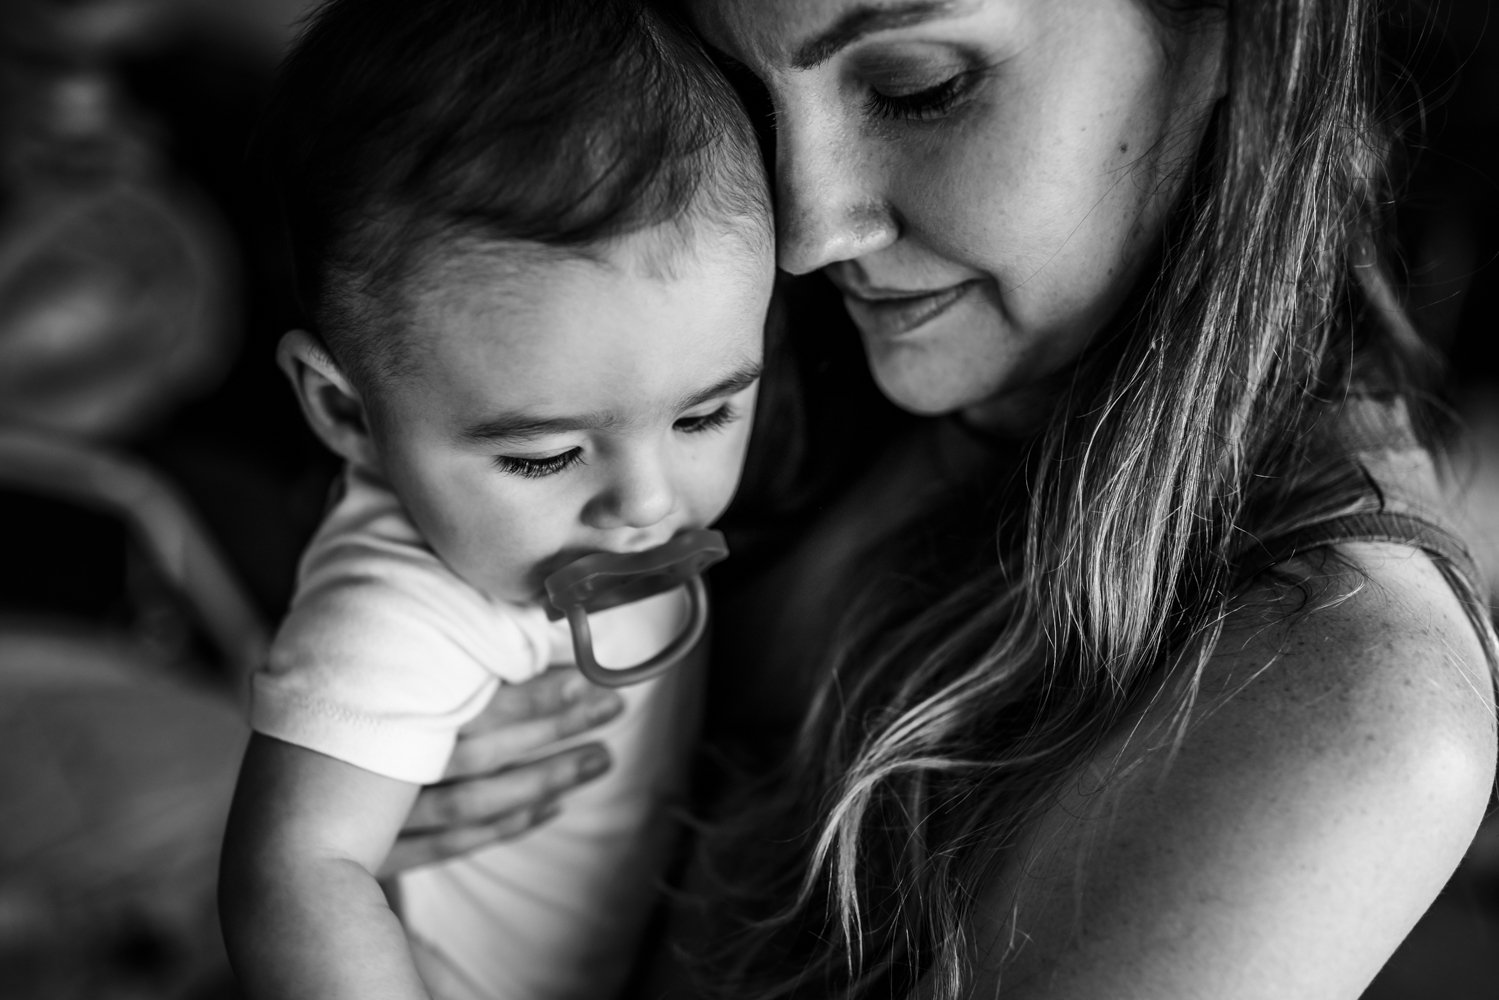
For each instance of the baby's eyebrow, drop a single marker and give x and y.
(520, 426)
(738, 380)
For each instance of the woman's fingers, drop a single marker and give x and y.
(523, 718)
(412, 850)
(452, 819)
(545, 694)
(493, 798)
(491, 791)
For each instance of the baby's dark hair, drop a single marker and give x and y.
(400, 127)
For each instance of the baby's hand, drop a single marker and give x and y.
(486, 796)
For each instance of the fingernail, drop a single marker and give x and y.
(593, 763)
(604, 706)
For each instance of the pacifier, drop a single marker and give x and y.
(604, 580)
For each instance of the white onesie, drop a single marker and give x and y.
(386, 653)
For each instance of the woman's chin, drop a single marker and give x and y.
(1008, 411)
(955, 360)
(988, 377)
(926, 394)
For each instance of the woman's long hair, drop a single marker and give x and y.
(1180, 441)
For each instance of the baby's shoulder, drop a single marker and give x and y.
(369, 557)
(371, 590)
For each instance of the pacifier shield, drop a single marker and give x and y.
(605, 580)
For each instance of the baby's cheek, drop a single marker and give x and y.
(717, 501)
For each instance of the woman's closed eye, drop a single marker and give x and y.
(919, 103)
(538, 468)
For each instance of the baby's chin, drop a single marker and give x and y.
(529, 589)
(526, 592)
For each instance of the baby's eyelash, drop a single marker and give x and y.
(720, 417)
(538, 468)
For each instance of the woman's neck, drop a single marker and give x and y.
(1020, 413)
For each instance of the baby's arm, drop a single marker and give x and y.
(302, 912)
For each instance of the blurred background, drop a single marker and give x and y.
(157, 484)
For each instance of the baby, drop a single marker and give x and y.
(534, 244)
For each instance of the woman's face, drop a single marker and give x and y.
(982, 179)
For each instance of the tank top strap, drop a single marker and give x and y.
(1394, 526)
(1405, 505)
(1450, 556)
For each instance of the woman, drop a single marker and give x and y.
(1148, 669)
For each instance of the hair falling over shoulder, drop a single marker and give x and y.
(1181, 439)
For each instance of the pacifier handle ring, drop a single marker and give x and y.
(697, 623)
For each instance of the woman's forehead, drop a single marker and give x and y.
(801, 32)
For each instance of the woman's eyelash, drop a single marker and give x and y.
(931, 102)
(720, 417)
(538, 468)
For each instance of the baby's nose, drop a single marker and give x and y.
(639, 496)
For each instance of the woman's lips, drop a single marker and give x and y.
(895, 314)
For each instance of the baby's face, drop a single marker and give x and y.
(567, 407)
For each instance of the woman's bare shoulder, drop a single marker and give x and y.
(1284, 839)
(1366, 661)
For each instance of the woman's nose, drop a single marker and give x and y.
(829, 205)
(638, 494)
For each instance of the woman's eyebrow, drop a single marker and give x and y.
(865, 20)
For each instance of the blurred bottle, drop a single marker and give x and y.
(116, 279)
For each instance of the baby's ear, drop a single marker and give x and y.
(329, 400)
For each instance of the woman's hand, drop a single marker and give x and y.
(495, 787)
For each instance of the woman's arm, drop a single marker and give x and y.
(1339, 760)
(302, 912)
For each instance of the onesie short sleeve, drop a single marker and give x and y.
(386, 653)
